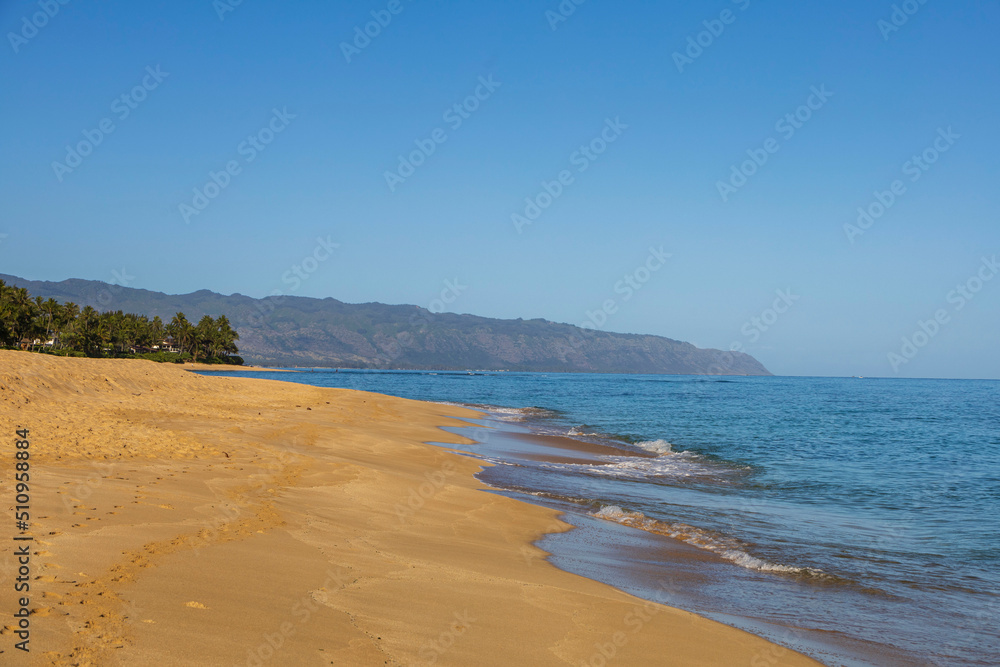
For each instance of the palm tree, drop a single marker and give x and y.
(181, 331)
(88, 335)
(51, 308)
(227, 336)
(156, 332)
(142, 331)
(6, 314)
(24, 312)
(206, 338)
(65, 318)
(70, 312)
(116, 326)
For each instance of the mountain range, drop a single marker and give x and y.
(302, 331)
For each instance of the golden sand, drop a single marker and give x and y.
(183, 520)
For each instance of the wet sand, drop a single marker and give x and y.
(575, 447)
(183, 519)
(230, 368)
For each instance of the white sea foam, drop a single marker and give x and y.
(508, 414)
(678, 465)
(699, 538)
(656, 446)
(497, 412)
(512, 414)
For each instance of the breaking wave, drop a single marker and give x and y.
(656, 446)
(697, 537)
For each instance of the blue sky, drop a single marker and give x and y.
(552, 87)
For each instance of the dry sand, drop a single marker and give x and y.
(185, 520)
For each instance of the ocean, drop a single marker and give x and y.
(854, 519)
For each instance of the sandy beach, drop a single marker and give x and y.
(180, 520)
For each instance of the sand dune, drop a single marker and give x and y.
(182, 519)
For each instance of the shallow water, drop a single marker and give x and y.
(859, 513)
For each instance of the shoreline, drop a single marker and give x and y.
(231, 519)
(642, 561)
(198, 368)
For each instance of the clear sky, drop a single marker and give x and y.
(310, 128)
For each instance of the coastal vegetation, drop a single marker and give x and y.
(46, 325)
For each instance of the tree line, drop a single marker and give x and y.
(65, 328)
